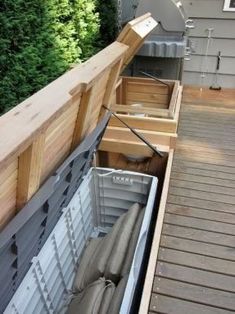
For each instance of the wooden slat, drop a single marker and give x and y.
(194, 293)
(29, 172)
(206, 124)
(155, 138)
(191, 246)
(195, 276)
(151, 124)
(203, 172)
(184, 163)
(8, 188)
(52, 164)
(208, 196)
(112, 82)
(173, 100)
(204, 180)
(146, 87)
(199, 142)
(134, 34)
(90, 106)
(201, 213)
(200, 224)
(223, 98)
(199, 154)
(164, 304)
(210, 117)
(198, 203)
(56, 129)
(158, 100)
(79, 131)
(137, 148)
(191, 131)
(145, 110)
(8, 171)
(198, 235)
(203, 187)
(156, 240)
(228, 143)
(212, 264)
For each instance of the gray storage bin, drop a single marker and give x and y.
(102, 197)
(26, 233)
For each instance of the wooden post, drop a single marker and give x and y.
(81, 124)
(111, 85)
(29, 172)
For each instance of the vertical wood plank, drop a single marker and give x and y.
(174, 95)
(79, 129)
(111, 85)
(29, 171)
(146, 294)
(124, 91)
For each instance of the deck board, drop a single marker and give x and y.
(195, 270)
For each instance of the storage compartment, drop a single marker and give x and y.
(147, 97)
(102, 197)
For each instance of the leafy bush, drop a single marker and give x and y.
(39, 40)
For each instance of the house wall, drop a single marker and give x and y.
(209, 14)
(206, 14)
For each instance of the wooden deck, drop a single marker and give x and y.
(195, 270)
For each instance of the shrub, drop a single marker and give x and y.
(108, 21)
(39, 40)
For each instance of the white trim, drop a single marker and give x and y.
(227, 6)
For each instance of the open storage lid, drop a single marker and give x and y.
(25, 235)
(134, 34)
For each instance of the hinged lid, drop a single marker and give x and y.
(134, 34)
(24, 236)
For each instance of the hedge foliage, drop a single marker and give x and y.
(108, 21)
(40, 39)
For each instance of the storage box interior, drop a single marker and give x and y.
(103, 196)
(159, 98)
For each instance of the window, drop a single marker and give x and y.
(229, 5)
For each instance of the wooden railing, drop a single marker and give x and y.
(37, 135)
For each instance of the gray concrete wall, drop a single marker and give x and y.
(210, 14)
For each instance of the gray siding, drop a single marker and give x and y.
(209, 13)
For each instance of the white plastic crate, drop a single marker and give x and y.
(103, 196)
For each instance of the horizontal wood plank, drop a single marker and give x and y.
(197, 261)
(164, 304)
(201, 213)
(194, 293)
(200, 224)
(203, 187)
(196, 276)
(198, 235)
(205, 249)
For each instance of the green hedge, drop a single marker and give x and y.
(108, 21)
(39, 40)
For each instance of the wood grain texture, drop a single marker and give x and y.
(8, 190)
(39, 132)
(29, 171)
(146, 295)
(194, 293)
(134, 33)
(148, 123)
(196, 261)
(20, 126)
(195, 276)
